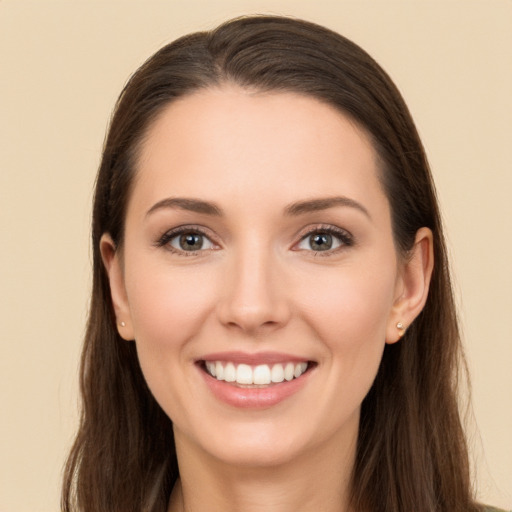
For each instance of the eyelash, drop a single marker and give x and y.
(344, 237)
(167, 237)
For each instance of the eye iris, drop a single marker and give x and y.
(321, 242)
(191, 242)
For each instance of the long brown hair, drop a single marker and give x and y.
(411, 453)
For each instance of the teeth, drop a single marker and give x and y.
(244, 374)
(210, 366)
(289, 370)
(277, 374)
(230, 372)
(299, 369)
(261, 375)
(219, 371)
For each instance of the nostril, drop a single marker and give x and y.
(251, 319)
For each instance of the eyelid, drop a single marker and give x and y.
(165, 238)
(345, 237)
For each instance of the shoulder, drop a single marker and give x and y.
(494, 509)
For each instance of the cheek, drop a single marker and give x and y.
(167, 310)
(165, 304)
(350, 304)
(354, 322)
(348, 312)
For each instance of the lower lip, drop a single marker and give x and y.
(254, 398)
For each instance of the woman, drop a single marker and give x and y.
(272, 324)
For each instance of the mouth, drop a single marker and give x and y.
(255, 376)
(255, 381)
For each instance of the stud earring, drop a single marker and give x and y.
(401, 328)
(123, 324)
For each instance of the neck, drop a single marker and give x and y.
(318, 480)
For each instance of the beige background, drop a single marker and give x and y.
(62, 65)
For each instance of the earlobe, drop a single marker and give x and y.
(113, 267)
(414, 286)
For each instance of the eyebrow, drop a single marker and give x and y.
(294, 209)
(192, 205)
(315, 205)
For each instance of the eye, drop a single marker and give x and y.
(325, 239)
(190, 242)
(186, 240)
(319, 242)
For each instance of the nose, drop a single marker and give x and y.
(255, 295)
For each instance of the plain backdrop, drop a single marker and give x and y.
(62, 65)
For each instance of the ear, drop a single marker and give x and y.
(113, 266)
(412, 285)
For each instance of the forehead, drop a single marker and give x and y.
(229, 142)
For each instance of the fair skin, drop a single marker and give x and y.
(284, 256)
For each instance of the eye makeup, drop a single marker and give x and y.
(194, 240)
(327, 238)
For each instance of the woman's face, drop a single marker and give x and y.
(258, 247)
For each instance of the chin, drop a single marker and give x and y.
(273, 441)
(259, 452)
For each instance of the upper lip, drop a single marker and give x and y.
(254, 358)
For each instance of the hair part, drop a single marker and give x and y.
(411, 452)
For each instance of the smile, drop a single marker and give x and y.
(260, 375)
